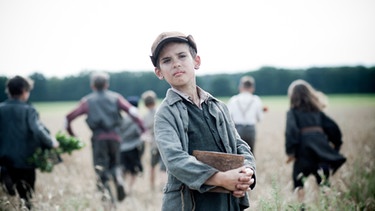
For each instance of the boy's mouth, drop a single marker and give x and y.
(178, 73)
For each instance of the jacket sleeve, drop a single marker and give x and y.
(40, 133)
(82, 108)
(244, 149)
(292, 133)
(332, 131)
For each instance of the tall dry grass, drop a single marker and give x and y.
(72, 184)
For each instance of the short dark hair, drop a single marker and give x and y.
(99, 80)
(134, 100)
(247, 82)
(149, 98)
(17, 85)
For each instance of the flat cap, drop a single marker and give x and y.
(167, 37)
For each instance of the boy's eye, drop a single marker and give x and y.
(166, 60)
(182, 55)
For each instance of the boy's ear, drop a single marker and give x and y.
(158, 73)
(197, 62)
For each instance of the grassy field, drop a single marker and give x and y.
(71, 185)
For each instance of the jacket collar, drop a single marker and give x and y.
(172, 96)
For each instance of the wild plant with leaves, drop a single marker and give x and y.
(45, 159)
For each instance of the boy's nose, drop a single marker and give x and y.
(176, 64)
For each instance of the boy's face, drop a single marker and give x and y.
(177, 65)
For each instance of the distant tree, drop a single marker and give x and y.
(274, 81)
(342, 79)
(368, 84)
(222, 86)
(135, 83)
(3, 95)
(269, 81)
(39, 92)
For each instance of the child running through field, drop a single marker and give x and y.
(149, 98)
(131, 145)
(21, 133)
(246, 110)
(309, 136)
(102, 108)
(188, 119)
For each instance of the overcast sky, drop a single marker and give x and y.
(60, 38)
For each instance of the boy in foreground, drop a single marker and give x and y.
(190, 119)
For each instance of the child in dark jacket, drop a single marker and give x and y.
(21, 133)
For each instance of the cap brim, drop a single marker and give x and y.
(161, 44)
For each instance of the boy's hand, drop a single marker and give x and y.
(146, 137)
(55, 143)
(236, 180)
(244, 182)
(290, 159)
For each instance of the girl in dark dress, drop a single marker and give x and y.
(313, 140)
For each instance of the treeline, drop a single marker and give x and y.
(269, 81)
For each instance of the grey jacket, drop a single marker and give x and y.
(171, 127)
(21, 132)
(103, 113)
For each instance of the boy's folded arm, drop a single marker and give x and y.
(232, 180)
